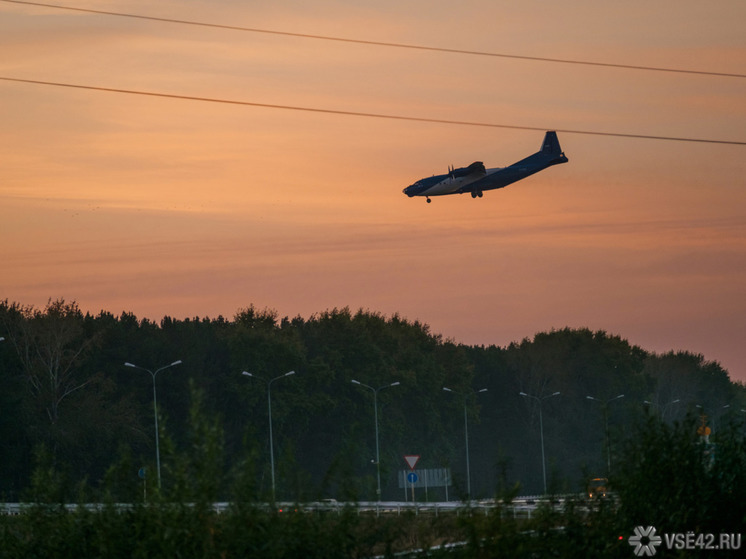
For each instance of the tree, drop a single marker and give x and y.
(51, 345)
(673, 478)
(69, 403)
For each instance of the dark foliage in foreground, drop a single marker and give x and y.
(692, 496)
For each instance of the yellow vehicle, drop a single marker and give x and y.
(597, 487)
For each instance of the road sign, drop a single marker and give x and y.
(426, 477)
(412, 477)
(412, 459)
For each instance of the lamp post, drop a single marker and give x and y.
(466, 436)
(662, 409)
(541, 429)
(155, 413)
(375, 413)
(269, 409)
(605, 405)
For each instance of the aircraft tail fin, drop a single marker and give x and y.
(551, 144)
(551, 147)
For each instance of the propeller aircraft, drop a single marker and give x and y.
(476, 179)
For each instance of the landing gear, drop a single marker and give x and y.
(428, 199)
(476, 193)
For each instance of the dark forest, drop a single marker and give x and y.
(69, 401)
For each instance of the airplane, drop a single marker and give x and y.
(476, 179)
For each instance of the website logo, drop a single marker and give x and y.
(645, 541)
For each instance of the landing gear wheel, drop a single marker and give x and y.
(428, 200)
(480, 194)
(473, 194)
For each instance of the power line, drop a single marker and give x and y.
(383, 43)
(365, 114)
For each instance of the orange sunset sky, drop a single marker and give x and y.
(185, 208)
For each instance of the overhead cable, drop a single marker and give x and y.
(365, 114)
(383, 43)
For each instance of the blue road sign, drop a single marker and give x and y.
(412, 477)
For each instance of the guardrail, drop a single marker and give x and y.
(521, 507)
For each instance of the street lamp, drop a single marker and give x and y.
(375, 413)
(541, 428)
(155, 413)
(269, 408)
(662, 409)
(648, 402)
(466, 435)
(605, 405)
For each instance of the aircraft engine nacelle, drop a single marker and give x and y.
(475, 168)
